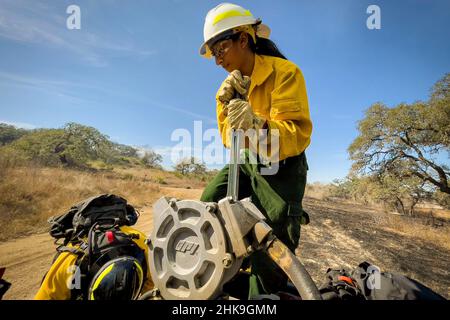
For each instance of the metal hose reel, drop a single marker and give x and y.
(196, 247)
(190, 255)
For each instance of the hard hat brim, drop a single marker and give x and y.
(263, 31)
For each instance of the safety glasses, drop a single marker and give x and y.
(221, 47)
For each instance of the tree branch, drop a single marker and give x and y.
(443, 182)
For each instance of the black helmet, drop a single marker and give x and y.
(119, 279)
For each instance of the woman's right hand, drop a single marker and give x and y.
(234, 83)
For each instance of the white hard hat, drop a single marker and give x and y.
(226, 17)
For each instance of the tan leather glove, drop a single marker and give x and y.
(235, 82)
(241, 116)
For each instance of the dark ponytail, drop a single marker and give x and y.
(265, 47)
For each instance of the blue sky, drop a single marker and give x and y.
(133, 69)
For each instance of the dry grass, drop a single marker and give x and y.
(432, 211)
(317, 191)
(162, 177)
(30, 195)
(406, 226)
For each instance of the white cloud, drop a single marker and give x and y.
(163, 150)
(59, 88)
(194, 115)
(38, 23)
(32, 81)
(22, 125)
(64, 88)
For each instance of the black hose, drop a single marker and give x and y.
(294, 269)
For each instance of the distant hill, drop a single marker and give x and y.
(74, 145)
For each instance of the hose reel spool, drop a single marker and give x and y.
(190, 255)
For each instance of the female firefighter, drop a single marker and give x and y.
(273, 102)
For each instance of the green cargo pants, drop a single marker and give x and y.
(279, 198)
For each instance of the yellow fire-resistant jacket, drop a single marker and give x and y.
(55, 284)
(277, 94)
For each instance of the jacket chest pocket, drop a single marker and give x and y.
(286, 109)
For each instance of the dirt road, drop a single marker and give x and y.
(338, 236)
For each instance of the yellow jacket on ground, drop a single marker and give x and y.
(277, 94)
(55, 284)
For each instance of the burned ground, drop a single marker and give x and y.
(344, 235)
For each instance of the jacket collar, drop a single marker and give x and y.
(261, 71)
